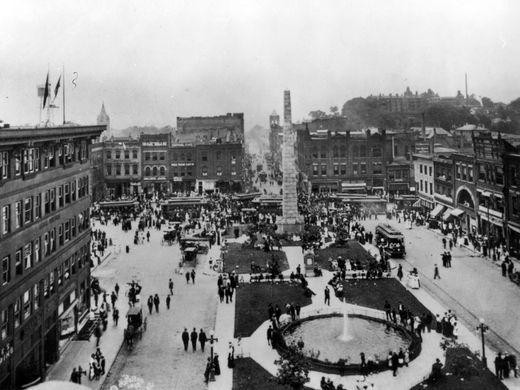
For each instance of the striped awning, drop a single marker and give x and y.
(437, 210)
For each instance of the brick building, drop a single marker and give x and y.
(337, 160)
(116, 167)
(219, 166)
(204, 129)
(45, 181)
(183, 173)
(512, 194)
(155, 163)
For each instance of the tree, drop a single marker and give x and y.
(317, 114)
(334, 110)
(487, 102)
(293, 369)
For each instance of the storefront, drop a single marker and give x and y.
(513, 234)
(437, 211)
(67, 318)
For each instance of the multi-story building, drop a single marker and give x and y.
(336, 160)
(489, 151)
(116, 166)
(512, 194)
(275, 141)
(45, 238)
(219, 166)
(183, 172)
(155, 164)
(464, 189)
(443, 184)
(204, 129)
(423, 174)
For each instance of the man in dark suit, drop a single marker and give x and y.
(185, 339)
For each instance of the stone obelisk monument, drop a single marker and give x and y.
(291, 220)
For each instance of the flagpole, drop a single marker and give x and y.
(63, 74)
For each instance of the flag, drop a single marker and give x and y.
(56, 89)
(46, 91)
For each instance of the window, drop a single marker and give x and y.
(36, 296)
(499, 175)
(323, 153)
(60, 196)
(219, 155)
(431, 188)
(162, 156)
(60, 235)
(4, 165)
(118, 169)
(363, 168)
(26, 304)
(430, 169)
(336, 169)
(46, 244)
(18, 213)
(188, 156)
(51, 155)
(135, 169)
(154, 156)
(470, 173)
(51, 281)
(233, 172)
(219, 171)
(204, 171)
(47, 202)
(38, 206)
(67, 193)
(421, 185)
(314, 153)
(154, 171)
(147, 156)
(233, 159)
(118, 154)
(343, 169)
(377, 168)
(53, 199)
(6, 219)
(343, 151)
(60, 274)
(52, 240)
(162, 171)
(66, 272)
(127, 169)
(355, 151)
(17, 164)
(420, 168)
(109, 170)
(362, 151)
(27, 210)
(127, 154)
(458, 171)
(6, 270)
(355, 169)
(315, 169)
(134, 154)
(18, 262)
(73, 226)
(204, 156)
(147, 171)
(16, 309)
(4, 324)
(36, 250)
(323, 170)
(376, 152)
(67, 231)
(27, 256)
(335, 152)
(73, 190)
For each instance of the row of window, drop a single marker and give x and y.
(116, 169)
(218, 172)
(155, 171)
(31, 253)
(424, 188)
(490, 174)
(464, 172)
(154, 156)
(31, 160)
(32, 208)
(31, 300)
(341, 151)
(341, 169)
(118, 154)
(425, 169)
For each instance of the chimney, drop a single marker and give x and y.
(287, 117)
(423, 126)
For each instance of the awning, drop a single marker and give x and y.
(484, 193)
(437, 210)
(446, 215)
(353, 185)
(417, 203)
(513, 228)
(457, 212)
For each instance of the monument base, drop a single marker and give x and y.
(290, 225)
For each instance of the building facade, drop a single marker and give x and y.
(219, 167)
(512, 194)
(45, 191)
(154, 163)
(183, 172)
(465, 193)
(275, 142)
(116, 167)
(423, 173)
(334, 160)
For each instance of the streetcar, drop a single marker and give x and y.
(391, 239)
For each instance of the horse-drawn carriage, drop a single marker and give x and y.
(169, 237)
(136, 326)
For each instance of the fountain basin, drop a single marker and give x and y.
(372, 336)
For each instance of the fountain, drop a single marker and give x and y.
(345, 335)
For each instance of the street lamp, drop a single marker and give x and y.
(212, 340)
(483, 328)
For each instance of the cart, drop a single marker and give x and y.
(136, 326)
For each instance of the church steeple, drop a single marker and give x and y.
(104, 119)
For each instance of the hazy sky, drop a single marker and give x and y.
(151, 61)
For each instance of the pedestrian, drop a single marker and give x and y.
(221, 293)
(185, 339)
(81, 372)
(400, 272)
(115, 315)
(504, 268)
(451, 244)
(207, 371)
(156, 302)
(150, 304)
(388, 311)
(498, 366)
(194, 338)
(269, 335)
(148, 236)
(97, 333)
(193, 276)
(202, 339)
(395, 364)
(327, 295)
(116, 288)
(187, 277)
(74, 376)
(168, 302)
(436, 274)
(444, 242)
(170, 286)
(113, 298)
